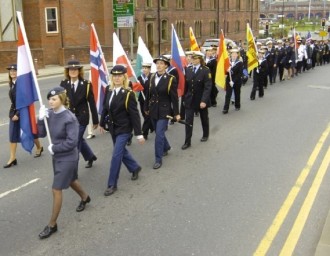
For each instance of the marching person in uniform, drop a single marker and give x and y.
(234, 80)
(211, 63)
(161, 101)
(14, 122)
(198, 87)
(121, 115)
(64, 130)
(259, 74)
(144, 80)
(81, 97)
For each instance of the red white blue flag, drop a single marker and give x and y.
(26, 93)
(99, 70)
(178, 60)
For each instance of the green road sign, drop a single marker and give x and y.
(123, 13)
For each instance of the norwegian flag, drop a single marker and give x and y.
(99, 71)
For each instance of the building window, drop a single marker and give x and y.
(135, 32)
(163, 3)
(213, 4)
(198, 29)
(180, 29)
(51, 20)
(179, 4)
(8, 24)
(213, 28)
(238, 4)
(227, 5)
(237, 26)
(227, 27)
(198, 4)
(149, 3)
(164, 35)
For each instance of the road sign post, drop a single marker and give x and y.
(123, 17)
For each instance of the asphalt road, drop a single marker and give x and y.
(215, 198)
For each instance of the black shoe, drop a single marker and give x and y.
(48, 231)
(145, 136)
(38, 152)
(82, 204)
(252, 98)
(185, 146)
(157, 165)
(109, 191)
(135, 175)
(90, 162)
(14, 162)
(224, 112)
(165, 153)
(203, 139)
(237, 109)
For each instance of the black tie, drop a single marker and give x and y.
(72, 88)
(195, 70)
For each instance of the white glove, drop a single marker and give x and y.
(50, 149)
(43, 112)
(290, 61)
(231, 83)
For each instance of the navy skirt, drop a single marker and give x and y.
(14, 131)
(65, 172)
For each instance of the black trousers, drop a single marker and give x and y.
(237, 93)
(257, 83)
(281, 71)
(204, 116)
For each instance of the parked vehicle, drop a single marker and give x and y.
(215, 41)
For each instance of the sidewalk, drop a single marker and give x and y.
(49, 70)
(323, 247)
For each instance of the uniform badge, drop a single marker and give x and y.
(52, 92)
(210, 76)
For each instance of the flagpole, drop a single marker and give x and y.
(27, 46)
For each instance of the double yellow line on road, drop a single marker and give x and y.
(300, 221)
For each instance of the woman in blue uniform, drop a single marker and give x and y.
(14, 126)
(121, 115)
(161, 101)
(63, 129)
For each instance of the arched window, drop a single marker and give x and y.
(164, 30)
(180, 29)
(213, 27)
(180, 4)
(198, 29)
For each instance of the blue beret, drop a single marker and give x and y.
(55, 91)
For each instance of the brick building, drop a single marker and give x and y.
(60, 29)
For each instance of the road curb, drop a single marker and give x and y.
(323, 246)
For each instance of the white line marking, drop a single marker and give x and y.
(18, 188)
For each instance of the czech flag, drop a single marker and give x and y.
(99, 70)
(26, 93)
(178, 60)
(120, 57)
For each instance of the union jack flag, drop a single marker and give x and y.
(99, 71)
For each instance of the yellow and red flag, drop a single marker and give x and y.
(251, 51)
(223, 63)
(193, 42)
